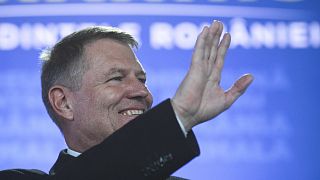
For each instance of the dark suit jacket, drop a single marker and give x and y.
(152, 146)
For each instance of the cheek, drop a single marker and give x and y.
(108, 98)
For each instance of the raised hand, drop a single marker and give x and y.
(199, 97)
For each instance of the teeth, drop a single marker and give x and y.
(132, 112)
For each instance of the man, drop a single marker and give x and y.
(94, 89)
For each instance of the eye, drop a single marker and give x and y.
(143, 80)
(116, 78)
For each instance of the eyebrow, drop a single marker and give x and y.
(123, 71)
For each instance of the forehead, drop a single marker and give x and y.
(108, 53)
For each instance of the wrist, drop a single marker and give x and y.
(182, 116)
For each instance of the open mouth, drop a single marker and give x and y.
(131, 112)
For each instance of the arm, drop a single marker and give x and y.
(150, 147)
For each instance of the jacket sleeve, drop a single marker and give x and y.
(152, 146)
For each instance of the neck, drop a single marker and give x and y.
(78, 142)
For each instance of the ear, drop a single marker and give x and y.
(60, 100)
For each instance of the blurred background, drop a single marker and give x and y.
(272, 132)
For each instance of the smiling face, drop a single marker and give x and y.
(113, 92)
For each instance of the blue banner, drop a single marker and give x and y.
(272, 132)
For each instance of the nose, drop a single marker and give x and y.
(138, 90)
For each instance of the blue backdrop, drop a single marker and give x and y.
(270, 133)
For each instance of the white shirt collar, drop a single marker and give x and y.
(73, 153)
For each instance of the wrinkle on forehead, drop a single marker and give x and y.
(107, 56)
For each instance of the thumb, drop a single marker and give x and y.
(238, 88)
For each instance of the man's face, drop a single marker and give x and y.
(113, 91)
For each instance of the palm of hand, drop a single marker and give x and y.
(200, 97)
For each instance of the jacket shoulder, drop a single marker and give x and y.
(22, 174)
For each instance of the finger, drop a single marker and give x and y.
(199, 49)
(215, 43)
(222, 51)
(215, 71)
(211, 39)
(237, 89)
(217, 34)
(208, 44)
